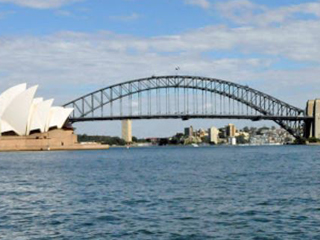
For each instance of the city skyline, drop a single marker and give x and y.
(227, 135)
(74, 47)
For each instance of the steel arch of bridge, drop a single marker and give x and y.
(90, 107)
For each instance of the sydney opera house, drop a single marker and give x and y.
(28, 123)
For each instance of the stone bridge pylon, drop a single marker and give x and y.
(312, 128)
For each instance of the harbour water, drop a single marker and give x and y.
(162, 193)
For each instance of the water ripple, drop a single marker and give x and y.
(162, 193)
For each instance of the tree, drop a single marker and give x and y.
(179, 135)
(163, 141)
(253, 130)
(262, 130)
(300, 141)
(174, 141)
(102, 139)
(241, 139)
(287, 140)
(246, 129)
(313, 140)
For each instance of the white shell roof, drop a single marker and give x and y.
(58, 117)
(39, 115)
(17, 111)
(7, 96)
(21, 113)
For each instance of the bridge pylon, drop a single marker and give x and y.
(312, 128)
(127, 130)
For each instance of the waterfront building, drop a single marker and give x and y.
(32, 124)
(201, 133)
(231, 130)
(232, 141)
(192, 139)
(22, 114)
(213, 135)
(188, 132)
(271, 136)
(127, 130)
(246, 135)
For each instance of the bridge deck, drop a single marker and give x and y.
(187, 117)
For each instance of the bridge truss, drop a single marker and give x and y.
(185, 97)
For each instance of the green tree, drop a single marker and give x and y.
(246, 129)
(300, 141)
(241, 139)
(313, 140)
(101, 139)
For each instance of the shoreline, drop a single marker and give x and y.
(79, 147)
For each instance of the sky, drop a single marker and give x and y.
(73, 47)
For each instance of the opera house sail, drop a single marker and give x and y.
(29, 123)
(21, 113)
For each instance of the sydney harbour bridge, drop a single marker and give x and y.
(191, 97)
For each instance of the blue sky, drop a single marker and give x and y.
(136, 17)
(71, 47)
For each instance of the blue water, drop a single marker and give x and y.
(162, 193)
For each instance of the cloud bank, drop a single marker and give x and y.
(273, 50)
(253, 53)
(40, 4)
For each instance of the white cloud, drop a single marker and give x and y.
(5, 14)
(205, 4)
(239, 11)
(40, 4)
(297, 40)
(247, 12)
(64, 13)
(75, 59)
(126, 18)
(69, 64)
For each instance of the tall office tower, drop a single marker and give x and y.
(188, 131)
(231, 130)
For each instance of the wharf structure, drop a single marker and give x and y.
(33, 124)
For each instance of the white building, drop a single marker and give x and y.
(21, 113)
(232, 141)
(213, 135)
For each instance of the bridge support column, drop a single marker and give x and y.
(312, 129)
(317, 118)
(127, 130)
(308, 131)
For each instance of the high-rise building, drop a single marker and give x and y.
(213, 135)
(188, 132)
(127, 130)
(231, 130)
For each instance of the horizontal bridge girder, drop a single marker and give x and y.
(186, 117)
